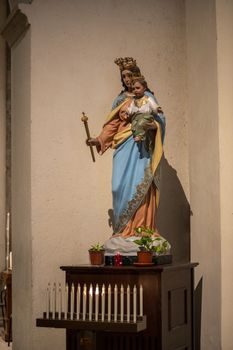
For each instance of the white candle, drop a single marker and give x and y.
(109, 302)
(10, 261)
(78, 300)
(8, 221)
(72, 302)
(97, 302)
(103, 303)
(122, 304)
(141, 301)
(48, 300)
(54, 300)
(59, 301)
(66, 301)
(84, 301)
(134, 304)
(115, 303)
(7, 239)
(128, 303)
(90, 302)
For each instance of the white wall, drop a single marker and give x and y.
(67, 61)
(210, 68)
(204, 163)
(2, 138)
(225, 105)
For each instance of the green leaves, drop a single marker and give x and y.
(96, 247)
(144, 231)
(162, 248)
(147, 241)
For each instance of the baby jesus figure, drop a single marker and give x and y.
(141, 110)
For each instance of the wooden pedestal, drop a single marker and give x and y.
(168, 306)
(6, 277)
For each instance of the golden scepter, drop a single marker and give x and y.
(85, 121)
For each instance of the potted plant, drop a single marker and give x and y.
(96, 254)
(145, 243)
(150, 243)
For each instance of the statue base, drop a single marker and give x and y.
(126, 247)
(128, 260)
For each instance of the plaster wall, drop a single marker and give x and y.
(69, 69)
(2, 137)
(21, 197)
(224, 10)
(204, 162)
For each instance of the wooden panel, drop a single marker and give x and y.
(177, 308)
(82, 340)
(123, 342)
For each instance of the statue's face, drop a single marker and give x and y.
(127, 77)
(138, 89)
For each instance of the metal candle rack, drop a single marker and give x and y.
(83, 307)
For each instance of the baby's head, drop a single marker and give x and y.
(139, 86)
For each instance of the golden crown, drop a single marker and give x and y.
(125, 63)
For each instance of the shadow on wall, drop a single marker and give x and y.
(173, 217)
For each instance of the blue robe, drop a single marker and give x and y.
(134, 167)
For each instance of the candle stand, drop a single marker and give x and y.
(126, 308)
(128, 327)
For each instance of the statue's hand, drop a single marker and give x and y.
(159, 110)
(92, 142)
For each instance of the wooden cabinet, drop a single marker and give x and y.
(168, 306)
